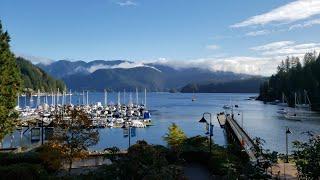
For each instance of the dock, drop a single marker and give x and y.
(238, 134)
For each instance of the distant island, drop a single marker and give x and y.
(238, 86)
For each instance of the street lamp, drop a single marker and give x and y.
(203, 120)
(129, 133)
(287, 132)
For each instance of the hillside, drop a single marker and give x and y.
(35, 78)
(120, 74)
(239, 86)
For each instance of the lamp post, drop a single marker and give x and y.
(129, 133)
(42, 116)
(287, 132)
(203, 120)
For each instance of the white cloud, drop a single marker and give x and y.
(124, 65)
(286, 48)
(127, 3)
(306, 24)
(273, 45)
(212, 47)
(238, 64)
(296, 10)
(34, 59)
(258, 33)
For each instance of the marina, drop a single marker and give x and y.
(259, 120)
(102, 115)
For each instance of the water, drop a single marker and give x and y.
(260, 120)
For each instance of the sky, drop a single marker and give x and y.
(247, 36)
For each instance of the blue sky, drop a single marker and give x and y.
(247, 36)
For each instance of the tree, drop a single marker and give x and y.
(73, 136)
(175, 137)
(265, 159)
(306, 155)
(9, 85)
(143, 161)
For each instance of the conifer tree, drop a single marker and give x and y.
(9, 85)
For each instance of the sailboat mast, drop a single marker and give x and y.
(124, 96)
(145, 97)
(87, 98)
(58, 97)
(83, 97)
(70, 96)
(38, 99)
(119, 98)
(137, 96)
(105, 97)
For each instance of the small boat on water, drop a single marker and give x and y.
(193, 97)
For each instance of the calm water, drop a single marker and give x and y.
(260, 120)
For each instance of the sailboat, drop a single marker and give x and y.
(306, 104)
(193, 97)
(283, 101)
(293, 115)
(226, 106)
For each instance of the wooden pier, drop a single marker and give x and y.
(238, 134)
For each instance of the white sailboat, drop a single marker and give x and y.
(306, 104)
(283, 101)
(293, 115)
(194, 97)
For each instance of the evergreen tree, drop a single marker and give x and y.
(175, 137)
(293, 77)
(9, 85)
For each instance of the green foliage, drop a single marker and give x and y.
(22, 165)
(143, 161)
(11, 158)
(293, 77)
(307, 157)
(35, 78)
(113, 151)
(9, 84)
(23, 171)
(175, 137)
(51, 158)
(265, 160)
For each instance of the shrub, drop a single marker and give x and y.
(22, 171)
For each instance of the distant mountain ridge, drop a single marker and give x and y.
(121, 74)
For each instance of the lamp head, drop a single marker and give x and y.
(288, 131)
(203, 120)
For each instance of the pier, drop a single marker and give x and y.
(237, 134)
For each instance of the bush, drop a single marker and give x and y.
(7, 159)
(22, 171)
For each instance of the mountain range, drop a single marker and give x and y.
(120, 74)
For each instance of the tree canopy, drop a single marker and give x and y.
(35, 78)
(307, 157)
(9, 84)
(295, 77)
(175, 137)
